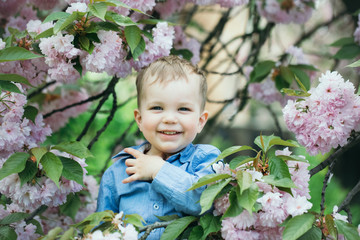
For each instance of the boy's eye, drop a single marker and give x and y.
(156, 108)
(184, 109)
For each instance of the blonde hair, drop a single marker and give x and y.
(170, 68)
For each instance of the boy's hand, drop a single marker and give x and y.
(143, 167)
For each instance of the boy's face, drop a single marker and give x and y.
(170, 115)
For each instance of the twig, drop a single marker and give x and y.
(106, 94)
(109, 119)
(39, 90)
(276, 121)
(147, 229)
(325, 183)
(339, 151)
(120, 105)
(345, 204)
(37, 211)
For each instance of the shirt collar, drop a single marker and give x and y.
(183, 155)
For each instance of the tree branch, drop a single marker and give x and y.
(147, 229)
(345, 204)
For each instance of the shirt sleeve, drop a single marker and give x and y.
(173, 182)
(107, 198)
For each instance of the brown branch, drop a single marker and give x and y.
(39, 90)
(276, 120)
(147, 229)
(106, 94)
(325, 183)
(345, 204)
(37, 211)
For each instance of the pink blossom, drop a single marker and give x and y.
(183, 42)
(167, 8)
(221, 204)
(37, 26)
(265, 91)
(10, 7)
(76, 7)
(46, 5)
(297, 205)
(270, 200)
(2, 44)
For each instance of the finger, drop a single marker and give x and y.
(133, 152)
(130, 179)
(130, 162)
(130, 170)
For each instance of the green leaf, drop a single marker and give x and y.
(261, 70)
(16, 53)
(7, 233)
(74, 148)
(210, 224)
(14, 164)
(235, 208)
(348, 52)
(330, 224)
(167, 217)
(133, 36)
(53, 233)
(240, 160)
(208, 179)
(28, 173)
(39, 229)
(313, 234)
(210, 193)
(292, 92)
(30, 113)
(196, 233)
(231, 150)
(303, 79)
(98, 9)
(297, 226)
(8, 86)
(153, 21)
(354, 64)
(280, 82)
(14, 217)
(94, 220)
(270, 141)
(292, 158)
(303, 67)
(63, 23)
(71, 206)
(69, 234)
(119, 19)
(343, 41)
(14, 78)
(278, 168)
(72, 170)
(84, 43)
(38, 152)
(121, 4)
(174, 229)
(52, 166)
(45, 34)
(349, 231)
(185, 53)
(244, 179)
(56, 16)
(134, 219)
(248, 198)
(279, 182)
(287, 74)
(140, 48)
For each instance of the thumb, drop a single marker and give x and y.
(135, 153)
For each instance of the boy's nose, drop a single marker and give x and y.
(169, 118)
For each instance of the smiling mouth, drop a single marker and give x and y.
(169, 132)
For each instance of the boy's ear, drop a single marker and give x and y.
(203, 119)
(137, 117)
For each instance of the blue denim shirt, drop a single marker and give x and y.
(166, 194)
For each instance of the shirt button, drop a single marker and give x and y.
(156, 207)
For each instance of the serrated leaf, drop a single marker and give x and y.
(279, 182)
(14, 164)
(235, 208)
(38, 152)
(244, 179)
(174, 229)
(231, 150)
(292, 158)
(240, 160)
(140, 48)
(30, 113)
(343, 41)
(14, 217)
(348, 52)
(292, 92)
(248, 198)
(71, 206)
(56, 16)
(94, 220)
(133, 36)
(74, 148)
(261, 70)
(167, 217)
(72, 170)
(303, 67)
(313, 234)
(278, 168)
(134, 219)
(270, 141)
(349, 231)
(98, 9)
(28, 173)
(14, 78)
(45, 34)
(119, 19)
(302, 79)
(63, 23)
(39, 229)
(8, 86)
(52, 166)
(209, 194)
(210, 224)
(208, 179)
(330, 224)
(287, 74)
(7, 233)
(16, 53)
(297, 226)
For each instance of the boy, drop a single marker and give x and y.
(151, 179)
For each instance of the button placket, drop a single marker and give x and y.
(156, 206)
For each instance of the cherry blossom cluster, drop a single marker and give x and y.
(17, 133)
(127, 232)
(276, 205)
(325, 119)
(285, 11)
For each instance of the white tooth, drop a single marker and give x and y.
(169, 132)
